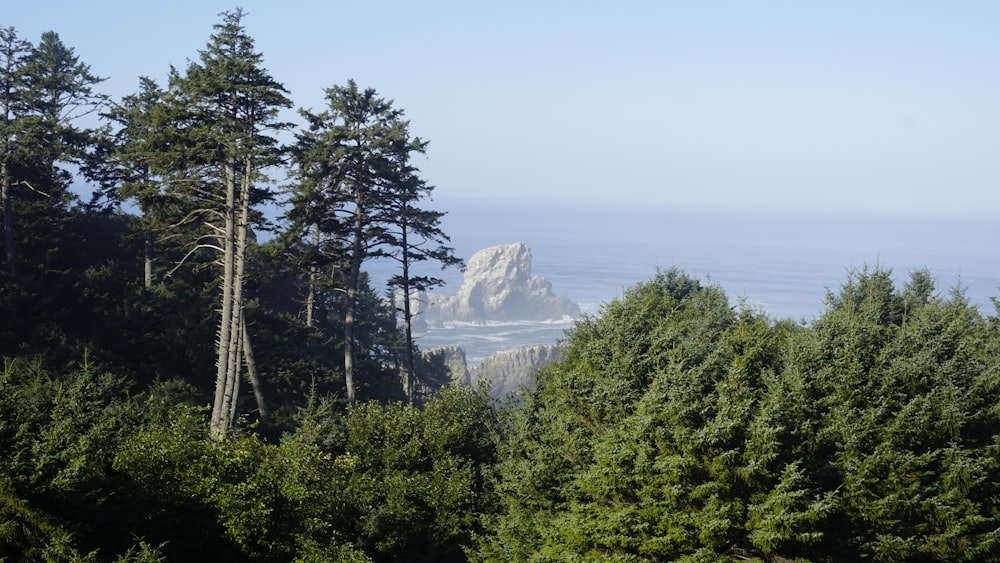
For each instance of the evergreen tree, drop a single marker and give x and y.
(677, 430)
(345, 167)
(14, 91)
(316, 232)
(653, 341)
(46, 92)
(130, 163)
(907, 395)
(217, 121)
(412, 235)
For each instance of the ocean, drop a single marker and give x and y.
(781, 262)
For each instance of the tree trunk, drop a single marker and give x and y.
(407, 318)
(233, 378)
(219, 425)
(5, 183)
(253, 374)
(147, 255)
(352, 295)
(313, 280)
(236, 332)
(409, 369)
(8, 221)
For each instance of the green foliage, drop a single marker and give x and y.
(60, 433)
(45, 90)
(60, 429)
(350, 167)
(909, 410)
(677, 429)
(28, 535)
(393, 482)
(412, 482)
(579, 421)
(240, 499)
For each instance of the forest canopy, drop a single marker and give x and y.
(177, 387)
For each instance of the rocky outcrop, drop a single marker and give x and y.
(498, 286)
(452, 359)
(507, 370)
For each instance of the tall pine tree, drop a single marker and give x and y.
(412, 235)
(346, 166)
(45, 92)
(13, 93)
(216, 136)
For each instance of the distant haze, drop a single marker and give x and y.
(852, 105)
(783, 262)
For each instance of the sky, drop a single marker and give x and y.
(881, 107)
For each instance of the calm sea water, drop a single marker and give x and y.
(783, 263)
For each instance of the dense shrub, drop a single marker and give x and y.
(679, 428)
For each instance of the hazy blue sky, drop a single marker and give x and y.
(839, 105)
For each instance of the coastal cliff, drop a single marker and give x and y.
(506, 371)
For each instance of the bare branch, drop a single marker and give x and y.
(33, 188)
(188, 255)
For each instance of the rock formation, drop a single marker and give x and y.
(507, 370)
(451, 358)
(498, 286)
